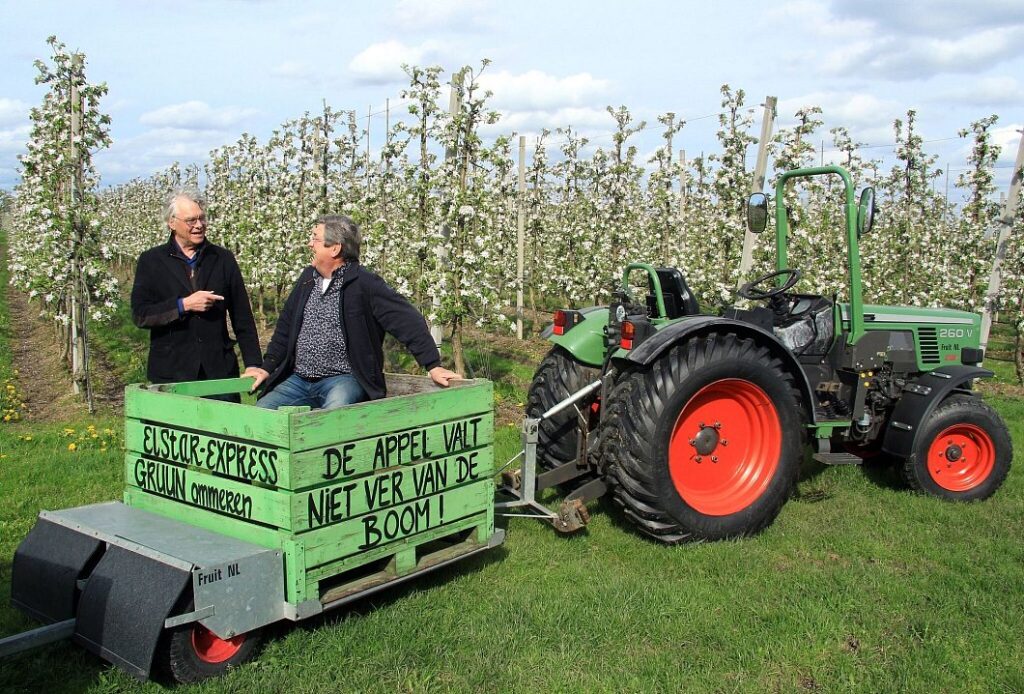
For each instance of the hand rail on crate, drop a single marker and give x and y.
(219, 386)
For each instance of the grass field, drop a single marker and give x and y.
(859, 585)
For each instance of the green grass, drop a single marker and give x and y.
(858, 586)
(122, 344)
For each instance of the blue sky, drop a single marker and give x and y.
(188, 76)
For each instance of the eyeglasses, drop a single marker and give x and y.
(192, 221)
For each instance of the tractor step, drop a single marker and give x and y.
(838, 458)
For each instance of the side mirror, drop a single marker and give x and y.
(865, 212)
(757, 213)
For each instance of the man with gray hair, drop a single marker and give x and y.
(184, 290)
(327, 349)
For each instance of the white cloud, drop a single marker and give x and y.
(293, 69)
(538, 90)
(932, 17)
(848, 108)
(196, 115)
(908, 39)
(580, 118)
(156, 149)
(442, 14)
(381, 63)
(12, 112)
(13, 140)
(816, 17)
(987, 91)
(1008, 137)
(901, 57)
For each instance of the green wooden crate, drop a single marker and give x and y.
(354, 496)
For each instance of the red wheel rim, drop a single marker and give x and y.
(210, 648)
(961, 457)
(725, 447)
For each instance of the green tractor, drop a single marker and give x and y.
(697, 424)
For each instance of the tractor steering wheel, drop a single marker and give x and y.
(751, 289)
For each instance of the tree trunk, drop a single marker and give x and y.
(457, 351)
(1018, 352)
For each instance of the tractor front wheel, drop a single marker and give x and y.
(706, 442)
(962, 453)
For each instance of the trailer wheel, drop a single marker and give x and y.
(706, 442)
(558, 376)
(962, 453)
(194, 653)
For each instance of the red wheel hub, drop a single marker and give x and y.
(210, 648)
(725, 447)
(961, 457)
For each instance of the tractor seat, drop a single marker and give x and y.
(807, 329)
(679, 300)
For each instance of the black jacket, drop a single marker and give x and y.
(368, 308)
(179, 345)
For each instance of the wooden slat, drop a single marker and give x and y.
(326, 571)
(217, 417)
(225, 525)
(223, 456)
(321, 428)
(335, 503)
(344, 460)
(383, 527)
(220, 386)
(193, 489)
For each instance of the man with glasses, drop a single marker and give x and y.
(327, 349)
(184, 290)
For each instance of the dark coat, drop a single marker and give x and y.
(180, 344)
(367, 308)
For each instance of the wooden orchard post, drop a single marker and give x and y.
(757, 184)
(521, 237)
(1005, 221)
(79, 297)
(454, 104)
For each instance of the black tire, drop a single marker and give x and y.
(192, 653)
(720, 373)
(970, 449)
(558, 376)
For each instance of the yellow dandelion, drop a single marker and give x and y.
(72, 446)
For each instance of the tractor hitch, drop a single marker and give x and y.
(524, 483)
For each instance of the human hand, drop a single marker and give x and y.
(442, 376)
(255, 372)
(200, 301)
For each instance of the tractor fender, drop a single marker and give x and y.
(919, 399)
(585, 341)
(651, 348)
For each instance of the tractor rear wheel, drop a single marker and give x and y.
(558, 376)
(706, 442)
(962, 453)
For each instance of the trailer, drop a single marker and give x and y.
(235, 518)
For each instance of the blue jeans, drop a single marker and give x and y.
(326, 393)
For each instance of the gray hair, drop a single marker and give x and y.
(341, 229)
(171, 201)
